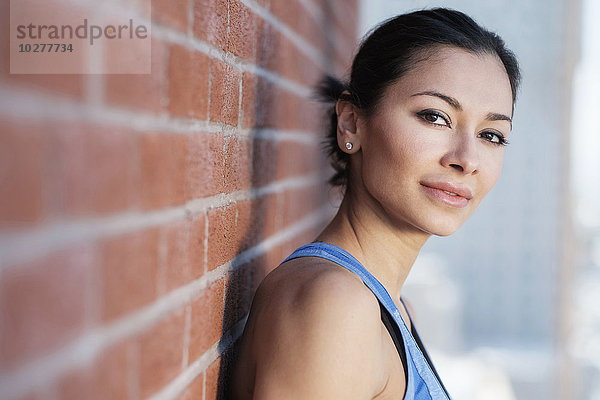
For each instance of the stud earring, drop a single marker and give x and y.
(349, 145)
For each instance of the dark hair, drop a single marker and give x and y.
(392, 49)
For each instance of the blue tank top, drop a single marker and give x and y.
(422, 381)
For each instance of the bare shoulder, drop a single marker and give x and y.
(313, 293)
(307, 281)
(315, 333)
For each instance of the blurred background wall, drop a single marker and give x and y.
(139, 212)
(510, 303)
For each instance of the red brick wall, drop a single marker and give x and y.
(138, 213)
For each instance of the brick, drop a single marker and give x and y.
(196, 247)
(207, 320)
(195, 390)
(249, 223)
(290, 104)
(265, 264)
(235, 228)
(269, 47)
(277, 116)
(228, 232)
(238, 295)
(128, 273)
(32, 395)
(21, 173)
(43, 305)
(96, 169)
(264, 3)
(291, 159)
(210, 21)
(310, 73)
(205, 167)
(107, 377)
(173, 13)
(313, 118)
(346, 38)
(212, 381)
(293, 62)
(262, 103)
(161, 353)
(341, 61)
(287, 12)
(345, 17)
(62, 85)
(240, 226)
(311, 29)
(188, 83)
(263, 162)
(267, 211)
(163, 163)
(302, 202)
(224, 93)
(43, 392)
(218, 375)
(184, 252)
(77, 384)
(143, 92)
(254, 99)
(243, 31)
(266, 105)
(238, 164)
(134, 58)
(295, 159)
(280, 55)
(5, 40)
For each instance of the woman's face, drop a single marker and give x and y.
(434, 147)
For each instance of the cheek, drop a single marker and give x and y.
(391, 154)
(403, 142)
(492, 171)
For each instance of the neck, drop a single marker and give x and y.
(387, 249)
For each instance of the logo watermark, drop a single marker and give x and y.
(74, 37)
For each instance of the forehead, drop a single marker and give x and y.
(478, 81)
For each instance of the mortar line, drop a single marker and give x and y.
(83, 350)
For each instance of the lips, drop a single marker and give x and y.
(454, 195)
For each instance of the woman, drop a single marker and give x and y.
(417, 140)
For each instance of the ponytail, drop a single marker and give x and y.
(329, 91)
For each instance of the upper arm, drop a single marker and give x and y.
(320, 343)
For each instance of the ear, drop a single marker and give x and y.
(347, 126)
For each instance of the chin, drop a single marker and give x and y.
(441, 232)
(444, 233)
(442, 228)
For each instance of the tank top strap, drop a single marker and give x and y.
(422, 383)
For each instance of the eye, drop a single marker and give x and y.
(434, 117)
(494, 137)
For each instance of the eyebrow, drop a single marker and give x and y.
(498, 117)
(456, 105)
(450, 100)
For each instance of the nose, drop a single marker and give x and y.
(462, 154)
